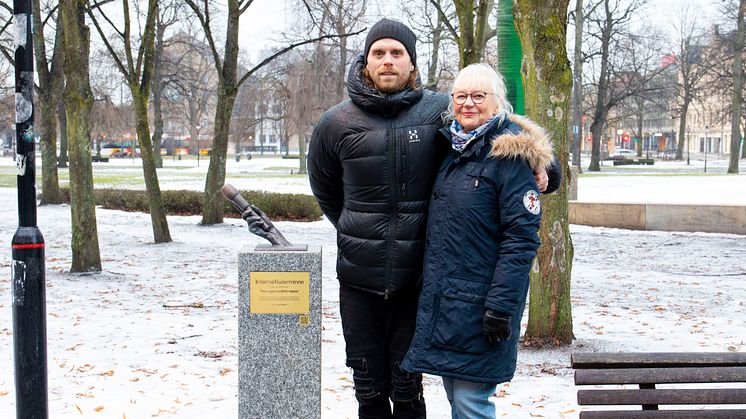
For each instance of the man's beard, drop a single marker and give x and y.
(388, 86)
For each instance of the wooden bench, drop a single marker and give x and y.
(647, 370)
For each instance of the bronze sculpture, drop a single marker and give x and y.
(258, 221)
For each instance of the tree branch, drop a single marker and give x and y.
(204, 20)
(242, 7)
(288, 48)
(117, 60)
(97, 6)
(446, 21)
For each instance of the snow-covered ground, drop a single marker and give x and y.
(132, 342)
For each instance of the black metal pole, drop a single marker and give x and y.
(27, 276)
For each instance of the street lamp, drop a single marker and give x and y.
(28, 283)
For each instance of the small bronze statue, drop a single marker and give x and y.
(259, 223)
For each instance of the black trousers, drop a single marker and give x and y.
(378, 333)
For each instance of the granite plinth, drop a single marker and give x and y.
(279, 355)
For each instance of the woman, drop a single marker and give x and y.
(481, 239)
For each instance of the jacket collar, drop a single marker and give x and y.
(479, 141)
(526, 140)
(516, 137)
(373, 100)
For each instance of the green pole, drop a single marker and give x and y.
(509, 55)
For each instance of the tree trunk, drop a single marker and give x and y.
(577, 72)
(432, 69)
(682, 145)
(639, 135)
(212, 209)
(50, 184)
(161, 232)
(49, 92)
(472, 29)
(596, 131)
(157, 92)
(62, 118)
(601, 107)
(78, 102)
(735, 127)
(302, 169)
(542, 28)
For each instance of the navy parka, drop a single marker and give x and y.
(482, 236)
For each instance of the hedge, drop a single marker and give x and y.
(278, 206)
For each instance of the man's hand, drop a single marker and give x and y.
(496, 326)
(542, 180)
(259, 223)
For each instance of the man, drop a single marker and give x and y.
(371, 163)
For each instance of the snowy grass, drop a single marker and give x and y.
(154, 334)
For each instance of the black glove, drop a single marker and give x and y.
(496, 326)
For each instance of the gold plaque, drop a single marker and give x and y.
(304, 320)
(279, 292)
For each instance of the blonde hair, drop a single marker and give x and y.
(482, 77)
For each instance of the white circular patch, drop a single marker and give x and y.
(531, 202)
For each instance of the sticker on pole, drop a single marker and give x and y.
(21, 164)
(18, 289)
(531, 202)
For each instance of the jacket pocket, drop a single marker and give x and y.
(458, 323)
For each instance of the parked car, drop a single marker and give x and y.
(623, 153)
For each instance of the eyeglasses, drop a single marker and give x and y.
(476, 97)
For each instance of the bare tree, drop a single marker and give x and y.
(471, 31)
(340, 17)
(693, 61)
(737, 101)
(78, 101)
(577, 85)
(49, 90)
(189, 82)
(228, 85)
(651, 95)
(427, 18)
(137, 69)
(112, 116)
(169, 15)
(618, 77)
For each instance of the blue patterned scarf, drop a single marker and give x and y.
(460, 139)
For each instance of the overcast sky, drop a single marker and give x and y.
(265, 19)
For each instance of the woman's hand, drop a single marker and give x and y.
(542, 180)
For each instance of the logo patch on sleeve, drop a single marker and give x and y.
(531, 202)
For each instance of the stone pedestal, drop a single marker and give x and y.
(279, 334)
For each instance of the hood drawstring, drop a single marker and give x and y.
(481, 169)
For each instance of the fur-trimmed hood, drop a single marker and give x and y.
(532, 143)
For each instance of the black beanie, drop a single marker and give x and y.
(387, 28)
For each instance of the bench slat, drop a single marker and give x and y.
(599, 360)
(660, 375)
(662, 396)
(665, 414)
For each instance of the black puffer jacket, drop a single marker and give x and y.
(371, 163)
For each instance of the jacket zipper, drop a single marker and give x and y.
(394, 161)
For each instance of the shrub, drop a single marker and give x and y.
(278, 206)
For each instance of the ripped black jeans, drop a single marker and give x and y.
(377, 333)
